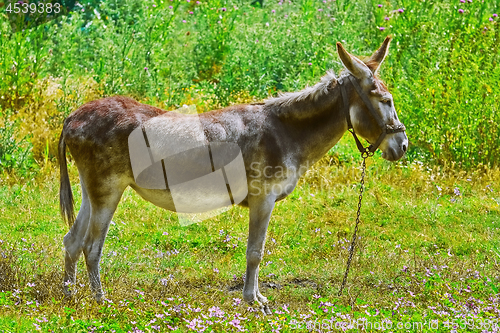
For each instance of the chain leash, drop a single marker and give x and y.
(364, 155)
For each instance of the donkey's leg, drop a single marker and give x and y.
(73, 242)
(261, 209)
(103, 208)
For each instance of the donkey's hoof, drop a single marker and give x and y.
(265, 309)
(99, 298)
(261, 298)
(68, 292)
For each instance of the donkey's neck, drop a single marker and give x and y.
(312, 118)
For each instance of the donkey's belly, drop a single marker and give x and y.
(190, 200)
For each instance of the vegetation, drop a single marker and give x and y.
(429, 242)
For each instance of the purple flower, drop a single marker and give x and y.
(491, 19)
(190, 12)
(462, 1)
(183, 21)
(401, 10)
(170, 7)
(386, 18)
(224, 9)
(320, 10)
(310, 64)
(273, 11)
(461, 11)
(456, 191)
(381, 28)
(379, 6)
(495, 15)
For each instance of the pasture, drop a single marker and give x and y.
(428, 253)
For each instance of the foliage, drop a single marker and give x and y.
(15, 155)
(442, 68)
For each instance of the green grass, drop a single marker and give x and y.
(433, 252)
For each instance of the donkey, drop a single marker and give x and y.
(282, 134)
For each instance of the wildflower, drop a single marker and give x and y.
(461, 11)
(379, 6)
(401, 10)
(462, 1)
(165, 233)
(320, 10)
(316, 296)
(154, 5)
(30, 284)
(224, 9)
(386, 18)
(457, 191)
(310, 64)
(190, 12)
(495, 15)
(145, 68)
(170, 7)
(438, 188)
(198, 2)
(267, 24)
(236, 302)
(183, 21)
(286, 16)
(216, 270)
(273, 11)
(381, 28)
(491, 19)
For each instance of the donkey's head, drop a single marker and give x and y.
(393, 145)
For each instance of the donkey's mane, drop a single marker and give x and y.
(309, 93)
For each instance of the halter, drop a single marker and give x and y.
(386, 129)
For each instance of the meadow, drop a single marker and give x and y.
(428, 256)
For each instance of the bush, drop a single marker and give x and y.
(442, 68)
(15, 154)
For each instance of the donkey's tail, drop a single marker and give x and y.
(66, 202)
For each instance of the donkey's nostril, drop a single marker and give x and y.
(404, 148)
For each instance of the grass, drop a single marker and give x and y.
(420, 257)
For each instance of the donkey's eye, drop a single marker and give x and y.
(387, 101)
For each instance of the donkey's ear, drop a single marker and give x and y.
(379, 55)
(353, 64)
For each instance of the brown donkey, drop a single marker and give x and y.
(278, 141)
